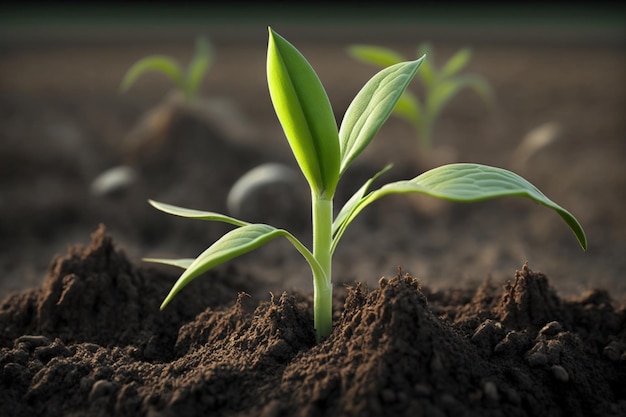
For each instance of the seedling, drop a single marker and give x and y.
(440, 86)
(187, 82)
(324, 153)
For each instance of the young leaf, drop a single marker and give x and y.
(198, 67)
(305, 114)
(444, 91)
(382, 57)
(371, 107)
(350, 205)
(196, 214)
(455, 64)
(470, 183)
(157, 63)
(233, 244)
(183, 263)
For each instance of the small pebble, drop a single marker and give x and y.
(559, 373)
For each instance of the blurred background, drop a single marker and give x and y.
(75, 151)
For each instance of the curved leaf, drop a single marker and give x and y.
(198, 67)
(379, 56)
(409, 108)
(183, 263)
(339, 224)
(371, 107)
(196, 214)
(233, 244)
(305, 114)
(446, 89)
(456, 63)
(470, 183)
(158, 63)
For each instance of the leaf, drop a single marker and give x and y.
(198, 67)
(427, 72)
(409, 108)
(180, 263)
(447, 89)
(338, 224)
(371, 107)
(456, 63)
(158, 63)
(305, 114)
(470, 183)
(379, 56)
(233, 244)
(196, 214)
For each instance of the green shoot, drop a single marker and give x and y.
(324, 153)
(439, 86)
(187, 82)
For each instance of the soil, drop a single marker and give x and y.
(462, 322)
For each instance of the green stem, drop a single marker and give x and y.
(322, 285)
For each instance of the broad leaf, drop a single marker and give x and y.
(233, 244)
(470, 183)
(371, 107)
(305, 114)
(196, 214)
(158, 63)
(382, 57)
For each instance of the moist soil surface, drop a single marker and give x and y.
(488, 309)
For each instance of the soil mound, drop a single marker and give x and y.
(92, 341)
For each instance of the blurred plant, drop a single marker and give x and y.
(187, 82)
(439, 85)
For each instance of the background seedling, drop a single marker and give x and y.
(187, 82)
(324, 153)
(439, 85)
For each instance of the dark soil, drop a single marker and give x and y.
(92, 342)
(83, 335)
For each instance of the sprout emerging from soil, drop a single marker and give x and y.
(324, 153)
(187, 82)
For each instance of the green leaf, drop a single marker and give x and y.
(409, 108)
(427, 72)
(158, 63)
(470, 183)
(445, 90)
(305, 114)
(179, 263)
(340, 221)
(371, 107)
(233, 244)
(198, 67)
(196, 214)
(379, 56)
(456, 63)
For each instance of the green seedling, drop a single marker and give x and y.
(187, 82)
(439, 85)
(324, 153)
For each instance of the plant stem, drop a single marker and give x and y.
(322, 243)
